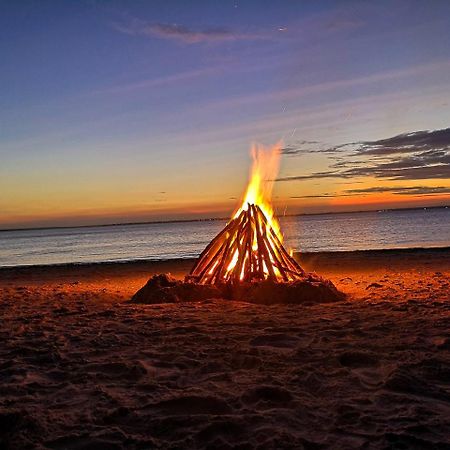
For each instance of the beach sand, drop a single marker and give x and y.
(81, 368)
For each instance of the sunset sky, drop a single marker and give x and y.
(123, 111)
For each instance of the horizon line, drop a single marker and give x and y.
(210, 219)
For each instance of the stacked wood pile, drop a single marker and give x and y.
(246, 250)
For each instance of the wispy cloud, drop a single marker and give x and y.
(402, 143)
(418, 155)
(320, 25)
(322, 196)
(344, 23)
(290, 94)
(402, 190)
(300, 147)
(181, 33)
(396, 190)
(157, 82)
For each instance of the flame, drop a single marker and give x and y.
(264, 169)
(266, 162)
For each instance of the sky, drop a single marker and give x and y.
(131, 111)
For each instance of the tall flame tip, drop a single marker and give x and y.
(263, 172)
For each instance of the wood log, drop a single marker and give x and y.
(217, 241)
(280, 245)
(228, 228)
(256, 260)
(277, 249)
(241, 250)
(212, 261)
(262, 251)
(240, 235)
(231, 245)
(219, 272)
(282, 255)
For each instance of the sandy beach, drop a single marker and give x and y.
(81, 368)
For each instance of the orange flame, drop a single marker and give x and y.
(266, 162)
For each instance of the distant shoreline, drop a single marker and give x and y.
(371, 254)
(213, 219)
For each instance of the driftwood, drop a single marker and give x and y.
(246, 250)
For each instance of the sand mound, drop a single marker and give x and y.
(312, 289)
(163, 288)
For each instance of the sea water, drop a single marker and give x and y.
(156, 241)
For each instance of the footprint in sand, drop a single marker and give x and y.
(116, 370)
(191, 405)
(267, 396)
(365, 366)
(356, 359)
(279, 340)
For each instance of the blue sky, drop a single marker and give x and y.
(142, 110)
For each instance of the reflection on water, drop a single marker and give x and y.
(326, 232)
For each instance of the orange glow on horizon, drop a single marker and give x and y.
(385, 199)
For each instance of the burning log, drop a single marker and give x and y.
(247, 249)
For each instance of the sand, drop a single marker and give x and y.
(81, 368)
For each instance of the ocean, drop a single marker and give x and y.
(156, 241)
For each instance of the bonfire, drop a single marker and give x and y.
(246, 261)
(250, 247)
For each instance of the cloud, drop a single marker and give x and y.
(323, 196)
(300, 147)
(402, 143)
(313, 176)
(184, 34)
(418, 155)
(335, 85)
(156, 82)
(403, 190)
(342, 23)
(397, 190)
